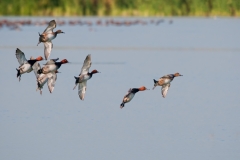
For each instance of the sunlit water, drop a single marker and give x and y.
(199, 118)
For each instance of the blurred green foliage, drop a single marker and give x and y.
(120, 7)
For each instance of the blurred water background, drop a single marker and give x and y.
(199, 118)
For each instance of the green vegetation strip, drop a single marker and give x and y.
(120, 7)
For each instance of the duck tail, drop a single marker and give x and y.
(39, 85)
(155, 83)
(18, 72)
(76, 80)
(122, 105)
(39, 71)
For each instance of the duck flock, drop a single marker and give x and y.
(48, 73)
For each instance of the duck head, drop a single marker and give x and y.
(39, 58)
(64, 61)
(94, 71)
(143, 88)
(59, 31)
(177, 74)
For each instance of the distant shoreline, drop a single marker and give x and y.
(122, 8)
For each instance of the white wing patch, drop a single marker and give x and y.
(47, 49)
(82, 87)
(42, 79)
(52, 77)
(165, 89)
(36, 66)
(86, 65)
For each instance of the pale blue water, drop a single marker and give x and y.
(199, 118)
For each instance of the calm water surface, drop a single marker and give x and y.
(199, 118)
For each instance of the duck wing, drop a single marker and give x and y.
(170, 76)
(82, 87)
(86, 65)
(165, 89)
(52, 61)
(36, 66)
(129, 91)
(20, 57)
(55, 60)
(47, 49)
(52, 24)
(41, 80)
(52, 77)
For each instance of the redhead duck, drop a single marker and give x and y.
(130, 94)
(81, 80)
(50, 78)
(165, 82)
(51, 66)
(47, 36)
(25, 65)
